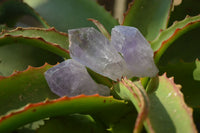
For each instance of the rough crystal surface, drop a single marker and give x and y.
(70, 78)
(135, 50)
(92, 49)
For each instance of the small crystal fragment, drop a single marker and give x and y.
(92, 49)
(135, 50)
(70, 78)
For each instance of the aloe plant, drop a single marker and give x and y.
(34, 39)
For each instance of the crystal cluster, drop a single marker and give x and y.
(92, 49)
(71, 78)
(135, 50)
(127, 54)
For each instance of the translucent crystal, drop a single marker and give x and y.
(70, 78)
(135, 50)
(92, 49)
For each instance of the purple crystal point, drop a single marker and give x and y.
(92, 49)
(70, 78)
(135, 50)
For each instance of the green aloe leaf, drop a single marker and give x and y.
(173, 33)
(13, 10)
(22, 47)
(99, 106)
(149, 16)
(184, 74)
(134, 92)
(71, 14)
(50, 35)
(168, 112)
(185, 48)
(24, 87)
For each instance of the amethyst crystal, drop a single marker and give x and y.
(128, 54)
(70, 78)
(135, 50)
(92, 49)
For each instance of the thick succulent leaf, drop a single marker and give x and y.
(178, 27)
(168, 112)
(17, 52)
(168, 36)
(24, 87)
(183, 73)
(134, 92)
(71, 14)
(149, 16)
(69, 123)
(17, 57)
(102, 107)
(50, 35)
(187, 7)
(185, 48)
(13, 10)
